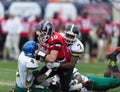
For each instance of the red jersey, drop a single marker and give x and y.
(26, 29)
(109, 28)
(57, 42)
(57, 24)
(2, 23)
(85, 25)
(118, 26)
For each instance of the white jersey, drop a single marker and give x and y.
(78, 86)
(76, 48)
(26, 65)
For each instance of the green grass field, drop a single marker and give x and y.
(8, 70)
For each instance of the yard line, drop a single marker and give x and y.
(7, 83)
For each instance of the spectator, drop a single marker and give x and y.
(85, 24)
(57, 21)
(118, 25)
(3, 34)
(13, 27)
(25, 33)
(33, 24)
(101, 43)
(111, 30)
(68, 22)
(53, 0)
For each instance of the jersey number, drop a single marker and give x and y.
(79, 46)
(54, 37)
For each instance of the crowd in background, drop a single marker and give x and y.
(81, 1)
(97, 39)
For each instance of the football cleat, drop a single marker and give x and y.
(113, 54)
(112, 57)
(116, 50)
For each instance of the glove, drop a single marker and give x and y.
(53, 65)
(73, 82)
(41, 54)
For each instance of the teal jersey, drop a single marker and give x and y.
(103, 83)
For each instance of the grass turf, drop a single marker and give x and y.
(8, 70)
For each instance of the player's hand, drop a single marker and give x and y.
(73, 82)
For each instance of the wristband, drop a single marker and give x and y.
(41, 54)
(48, 72)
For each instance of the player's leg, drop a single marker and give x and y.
(102, 84)
(108, 71)
(112, 63)
(113, 59)
(37, 74)
(65, 79)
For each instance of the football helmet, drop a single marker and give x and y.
(29, 48)
(71, 33)
(44, 30)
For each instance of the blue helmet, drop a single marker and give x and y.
(29, 48)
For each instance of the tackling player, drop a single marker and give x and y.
(27, 64)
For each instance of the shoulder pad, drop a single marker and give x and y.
(32, 63)
(77, 48)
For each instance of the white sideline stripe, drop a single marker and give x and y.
(7, 83)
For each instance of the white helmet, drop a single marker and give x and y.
(71, 33)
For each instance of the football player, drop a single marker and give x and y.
(27, 64)
(85, 83)
(55, 50)
(75, 46)
(112, 67)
